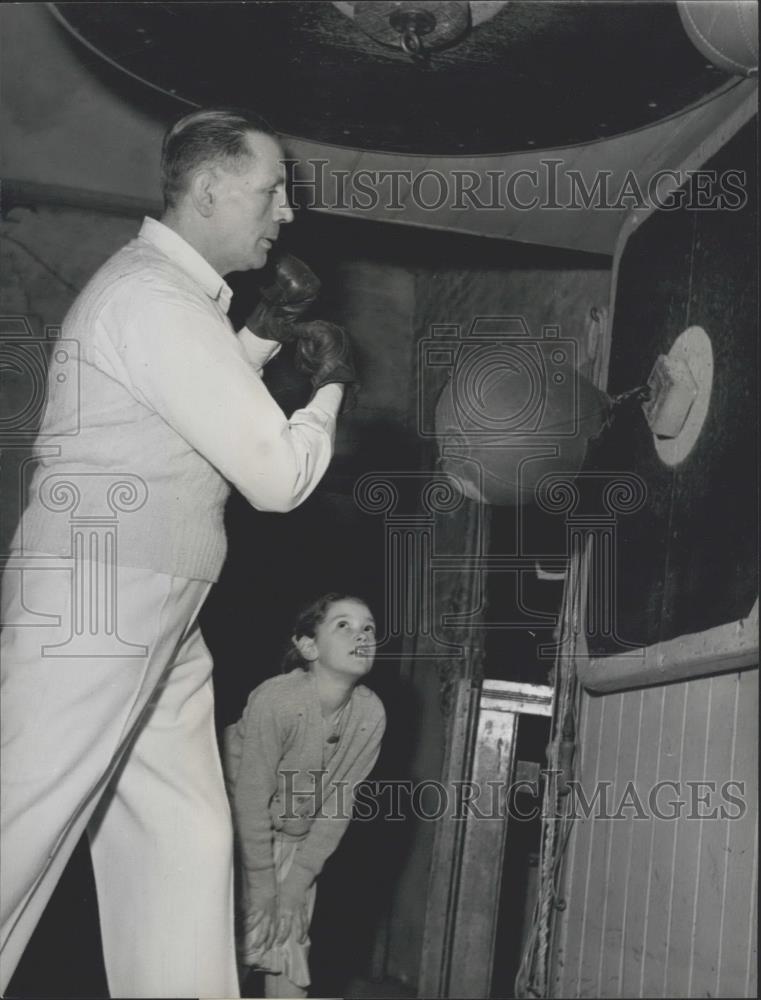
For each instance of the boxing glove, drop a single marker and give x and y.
(293, 291)
(324, 353)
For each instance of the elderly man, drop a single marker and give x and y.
(114, 733)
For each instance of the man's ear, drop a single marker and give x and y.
(203, 191)
(306, 646)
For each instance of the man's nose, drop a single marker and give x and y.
(283, 211)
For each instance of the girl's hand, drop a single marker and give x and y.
(259, 931)
(293, 921)
(293, 916)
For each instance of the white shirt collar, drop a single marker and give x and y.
(182, 253)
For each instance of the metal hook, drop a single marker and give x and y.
(410, 42)
(412, 25)
(412, 45)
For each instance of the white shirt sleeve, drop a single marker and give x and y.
(258, 350)
(187, 364)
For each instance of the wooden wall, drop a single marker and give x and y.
(665, 907)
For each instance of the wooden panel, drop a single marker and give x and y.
(447, 846)
(645, 705)
(569, 932)
(660, 907)
(597, 853)
(663, 848)
(685, 882)
(737, 957)
(464, 899)
(615, 908)
(481, 873)
(593, 940)
(712, 857)
(722, 649)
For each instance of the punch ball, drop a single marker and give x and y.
(724, 31)
(510, 414)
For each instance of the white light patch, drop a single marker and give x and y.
(693, 349)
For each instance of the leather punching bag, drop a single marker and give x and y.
(513, 412)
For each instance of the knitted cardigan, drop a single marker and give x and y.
(270, 758)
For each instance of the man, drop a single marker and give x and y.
(113, 732)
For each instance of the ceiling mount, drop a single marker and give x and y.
(417, 27)
(412, 26)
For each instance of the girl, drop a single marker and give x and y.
(305, 739)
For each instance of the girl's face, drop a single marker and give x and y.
(344, 641)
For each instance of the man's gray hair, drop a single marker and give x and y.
(211, 136)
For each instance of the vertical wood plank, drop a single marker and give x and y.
(580, 846)
(725, 843)
(481, 871)
(446, 849)
(598, 853)
(566, 954)
(685, 875)
(740, 890)
(663, 843)
(712, 859)
(647, 720)
(751, 974)
(620, 837)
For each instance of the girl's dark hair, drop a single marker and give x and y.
(306, 624)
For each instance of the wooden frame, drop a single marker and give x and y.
(719, 650)
(468, 856)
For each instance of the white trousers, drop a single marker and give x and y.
(107, 725)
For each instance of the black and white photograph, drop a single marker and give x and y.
(379, 475)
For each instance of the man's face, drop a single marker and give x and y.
(250, 207)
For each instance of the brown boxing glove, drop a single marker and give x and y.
(324, 353)
(294, 289)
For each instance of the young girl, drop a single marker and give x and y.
(305, 739)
